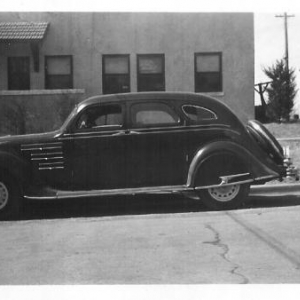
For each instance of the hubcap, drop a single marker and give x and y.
(225, 193)
(3, 195)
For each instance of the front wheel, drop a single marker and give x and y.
(10, 197)
(224, 197)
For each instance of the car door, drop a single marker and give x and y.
(96, 148)
(156, 145)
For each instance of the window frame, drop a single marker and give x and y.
(47, 75)
(162, 74)
(220, 72)
(104, 75)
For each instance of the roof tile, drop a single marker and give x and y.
(23, 30)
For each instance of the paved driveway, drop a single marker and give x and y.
(153, 240)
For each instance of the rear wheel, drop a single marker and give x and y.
(10, 197)
(224, 197)
(215, 169)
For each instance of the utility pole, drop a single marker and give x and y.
(287, 86)
(286, 16)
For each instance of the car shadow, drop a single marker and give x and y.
(110, 206)
(137, 205)
(272, 201)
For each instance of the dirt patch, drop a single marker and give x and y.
(284, 130)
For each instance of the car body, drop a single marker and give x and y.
(141, 143)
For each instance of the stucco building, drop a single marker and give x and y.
(43, 54)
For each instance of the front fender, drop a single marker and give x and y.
(258, 171)
(14, 165)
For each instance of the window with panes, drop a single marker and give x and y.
(18, 73)
(59, 72)
(208, 72)
(151, 72)
(115, 74)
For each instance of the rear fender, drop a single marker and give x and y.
(256, 169)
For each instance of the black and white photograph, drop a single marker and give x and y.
(149, 149)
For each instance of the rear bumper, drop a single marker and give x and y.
(275, 189)
(291, 172)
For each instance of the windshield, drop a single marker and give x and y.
(70, 117)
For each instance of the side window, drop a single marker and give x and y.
(153, 114)
(197, 113)
(100, 116)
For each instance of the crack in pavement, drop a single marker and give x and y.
(292, 256)
(217, 242)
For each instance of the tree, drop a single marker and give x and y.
(281, 92)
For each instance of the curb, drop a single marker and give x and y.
(283, 189)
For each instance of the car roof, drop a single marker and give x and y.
(225, 114)
(194, 98)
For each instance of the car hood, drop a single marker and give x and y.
(28, 138)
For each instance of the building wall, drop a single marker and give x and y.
(88, 36)
(36, 111)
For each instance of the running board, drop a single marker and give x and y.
(53, 194)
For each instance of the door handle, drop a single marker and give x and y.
(133, 132)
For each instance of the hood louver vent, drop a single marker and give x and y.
(48, 156)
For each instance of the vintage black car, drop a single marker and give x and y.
(141, 143)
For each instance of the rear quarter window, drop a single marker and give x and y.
(198, 113)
